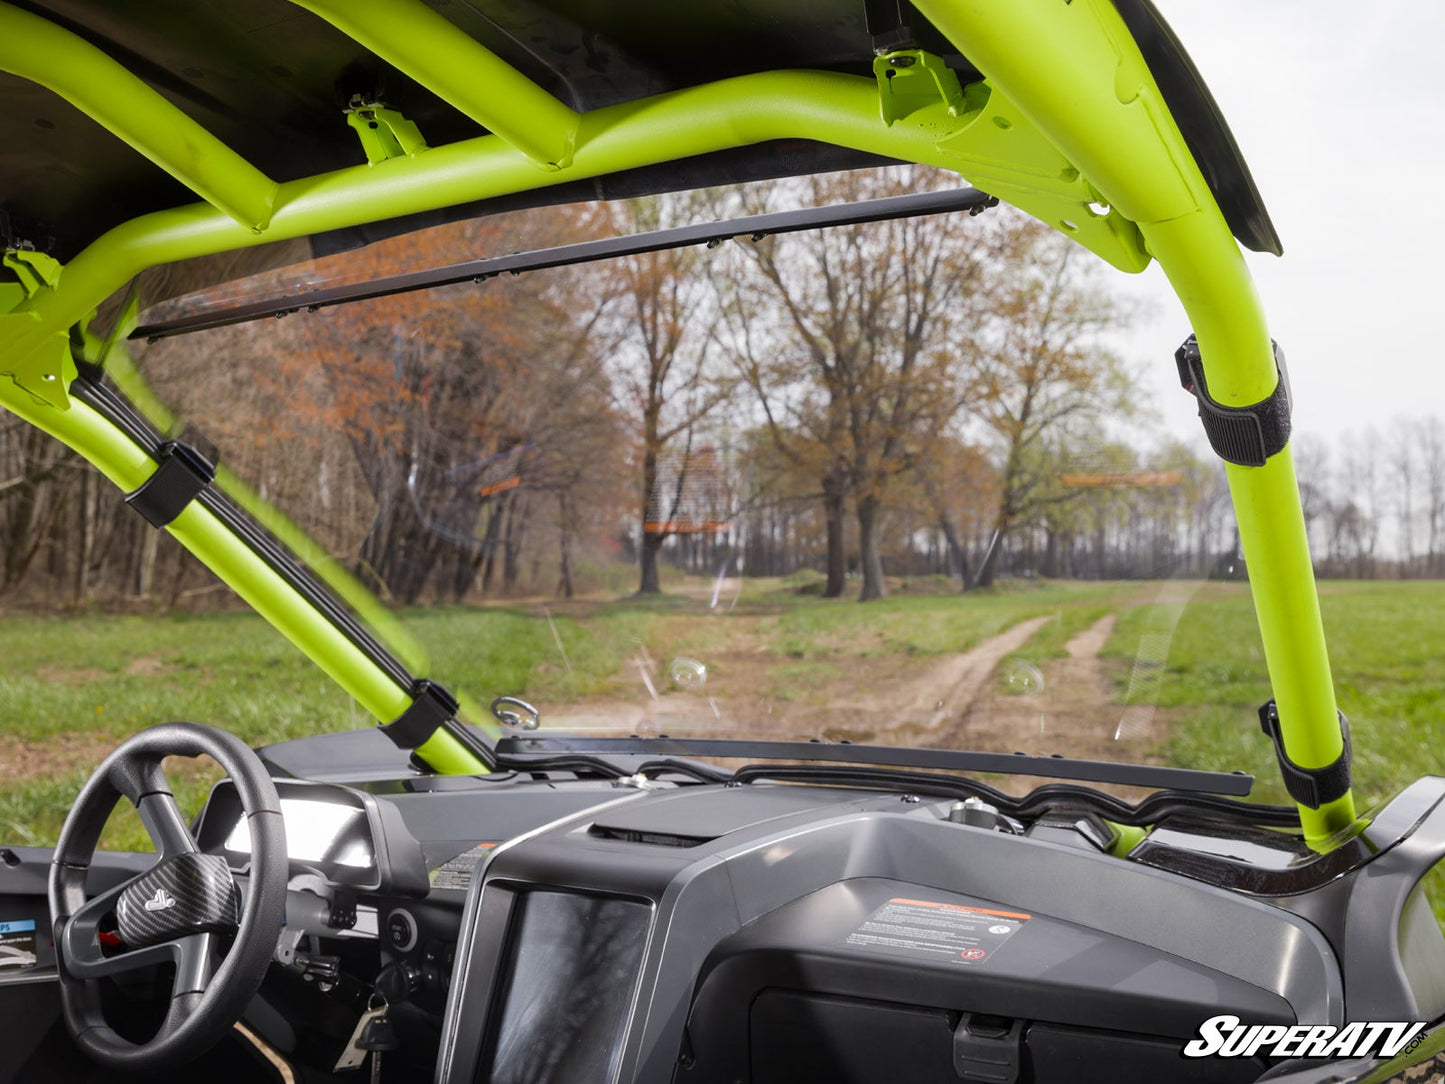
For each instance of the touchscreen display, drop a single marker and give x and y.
(573, 964)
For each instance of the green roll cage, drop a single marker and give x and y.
(1069, 125)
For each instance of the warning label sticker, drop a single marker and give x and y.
(17, 943)
(925, 929)
(457, 872)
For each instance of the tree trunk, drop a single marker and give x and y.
(649, 583)
(990, 556)
(145, 579)
(512, 544)
(564, 530)
(868, 556)
(834, 492)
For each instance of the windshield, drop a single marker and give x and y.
(648, 494)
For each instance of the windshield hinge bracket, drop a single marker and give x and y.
(384, 132)
(182, 474)
(1311, 787)
(432, 707)
(1245, 436)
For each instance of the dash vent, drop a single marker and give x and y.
(653, 839)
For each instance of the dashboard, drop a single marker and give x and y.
(530, 930)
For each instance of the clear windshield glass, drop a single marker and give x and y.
(648, 494)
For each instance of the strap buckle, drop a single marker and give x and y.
(1311, 787)
(1245, 436)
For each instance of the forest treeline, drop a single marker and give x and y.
(919, 397)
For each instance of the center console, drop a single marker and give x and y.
(803, 934)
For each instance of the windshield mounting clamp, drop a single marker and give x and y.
(432, 707)
(1245, 436)
(182, 474)
(1312, 787)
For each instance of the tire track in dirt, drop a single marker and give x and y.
(874, 706)
(945, 692)
(1073, 715)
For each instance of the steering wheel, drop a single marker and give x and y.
(176, 912)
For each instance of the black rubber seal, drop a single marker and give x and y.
(432, 707)
(1311, 787)
(1246, 436)
(180, 478)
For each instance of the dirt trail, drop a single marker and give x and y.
(1072, 714)
(946, 691)
(877, 700)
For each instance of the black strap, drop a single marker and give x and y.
(1312, 787)
(181, 476)
(1246, 436)
(431, 707)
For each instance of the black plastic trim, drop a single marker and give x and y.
(514, 750)
(1245, 436)
(1312, 787)
(914, 205)
(182, 473)
(1190, 808)
(432, 707)
(1227, 858)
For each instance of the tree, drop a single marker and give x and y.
(864, 348)
(1432, 452)
(1041, 370)
(1402, 452)
(414, 436)
(663, 367)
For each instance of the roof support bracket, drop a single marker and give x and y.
(384, 132)
(910, 79)
(43, 366)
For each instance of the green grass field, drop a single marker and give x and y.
(1387, 650)
(72, 687)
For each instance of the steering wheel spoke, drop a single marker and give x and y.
(165, 825)
(79, 941)
(195, 958)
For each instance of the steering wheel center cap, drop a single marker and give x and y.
(188, 893)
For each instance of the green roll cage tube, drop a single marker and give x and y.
(1068, 125)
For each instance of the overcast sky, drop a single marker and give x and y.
(1339, 110)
